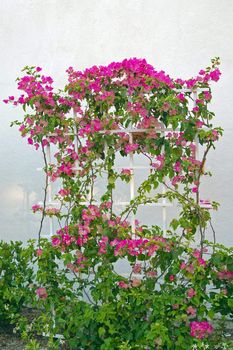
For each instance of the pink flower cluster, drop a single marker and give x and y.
(135, 282)
(131, 148)
(137, 268)
(90, 214)
(197, 254)
(137, 246)
(98, 84)
(191, 293)
(52, 211)
(103, 244)
(64, 237)
(79, 233)
(34, 87)
(187, 267)
(160, 159)
(64, 192)
(126, 172)
(37, 207)
(94, 126)
(41, 293)
(225, 275)
(200, 330)
(132, 73)
(191, 311)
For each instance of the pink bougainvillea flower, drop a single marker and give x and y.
(177, 167)
(190, 268)
(152, 249)
(171, 278)
(111, 223)
(160, 162)
(126, 172)
(177, 179)
(72, 267)
(207, 95)
(123, 285)
(181, 97)
(37, 207)
(215, 74)
(196, 109)
(41, 293)
(166, 106)
(39, 252)
(103, 245)
(200, 330)
(44, 142)
(173, 112)
(201, 262)
(30, 141)
(67, 239)
(191, 292)
(214, 135)
(202, 72)
(191, 311)
(196, 253)
(131, 147)
(64, 192)
(136, 282)
(225, 275)
(183, 265)
(200, 102)
(199, 124)
(151, 274)
(56, 241)
(106, 205)
(137, 268)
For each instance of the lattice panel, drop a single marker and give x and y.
(164, 204)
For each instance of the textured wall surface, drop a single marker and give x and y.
(178, 36)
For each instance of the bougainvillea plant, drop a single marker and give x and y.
(178, 282)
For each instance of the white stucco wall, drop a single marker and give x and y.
(178, 36)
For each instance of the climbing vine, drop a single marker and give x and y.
(177, 282)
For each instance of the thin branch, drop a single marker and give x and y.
(214, 234)
(45, 194)
(198, 194)
(86, 294)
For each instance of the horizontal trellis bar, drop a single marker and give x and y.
(54, 203)
(123, 130)
(191, 90)
(167, 204)
(139, 167)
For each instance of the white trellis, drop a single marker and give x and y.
(130, 131)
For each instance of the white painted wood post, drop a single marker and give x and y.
(49, 192)
(132, 182)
